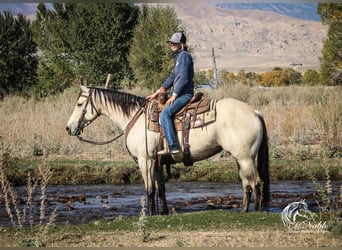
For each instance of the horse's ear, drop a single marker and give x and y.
(83, 88)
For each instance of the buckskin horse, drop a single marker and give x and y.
(238, 129)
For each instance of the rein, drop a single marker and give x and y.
(100, 143)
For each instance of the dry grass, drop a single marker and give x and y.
(296, 117)
(29, 125)
(236, 238)
(218, 238)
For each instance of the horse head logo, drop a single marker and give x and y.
(294, 211)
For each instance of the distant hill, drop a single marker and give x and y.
(306, 11)
(254, 40)
(16, 8)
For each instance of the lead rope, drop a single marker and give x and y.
(146, 164)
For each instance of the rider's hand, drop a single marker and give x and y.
(170, 100)
(150, 97)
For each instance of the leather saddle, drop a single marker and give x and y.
(197, 113)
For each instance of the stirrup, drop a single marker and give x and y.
(166, 152)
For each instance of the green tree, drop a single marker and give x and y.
(150, 57)
(241, 77)
(230, 77)
(310, 77)
(331, 60)
(293, 77)
(200, 78)
(85, 39)
(253, 78)
(222, 75)
(18, 62)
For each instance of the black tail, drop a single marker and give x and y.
(263, 165)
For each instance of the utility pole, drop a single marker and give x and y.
(216, 82)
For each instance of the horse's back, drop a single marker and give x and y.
(238, 125)
(236, 111)
(234, 104)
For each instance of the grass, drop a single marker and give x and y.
(206, 220)
(175, 230)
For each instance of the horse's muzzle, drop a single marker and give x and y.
(73, 133)
(68, 130)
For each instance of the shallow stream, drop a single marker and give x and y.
(81, 204)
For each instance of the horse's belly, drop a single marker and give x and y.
(203, 143)
(198, 155)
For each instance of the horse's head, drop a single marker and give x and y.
(84, 112)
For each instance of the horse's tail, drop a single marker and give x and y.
(263, 165)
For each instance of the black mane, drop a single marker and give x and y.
(127, 102)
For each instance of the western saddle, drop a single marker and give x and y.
(197, 113)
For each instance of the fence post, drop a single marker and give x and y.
(215, 69)
(109, 79)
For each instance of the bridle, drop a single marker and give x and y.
(82, 122)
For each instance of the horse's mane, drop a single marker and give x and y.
(125, 101)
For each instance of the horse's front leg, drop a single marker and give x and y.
(147, 171)
(151, 205)
(161, 189)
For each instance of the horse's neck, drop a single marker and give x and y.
(119, 118)
(115, 114)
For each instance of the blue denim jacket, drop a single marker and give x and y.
(182, 74)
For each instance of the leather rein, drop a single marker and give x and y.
(84, 123)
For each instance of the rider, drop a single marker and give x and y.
(181, 79)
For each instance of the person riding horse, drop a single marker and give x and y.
(181, 79)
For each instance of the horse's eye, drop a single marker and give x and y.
(79, 104)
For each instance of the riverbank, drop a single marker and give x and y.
(82, 172)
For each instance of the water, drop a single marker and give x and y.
(76, 204)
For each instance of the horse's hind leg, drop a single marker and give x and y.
(247, 191)
(257, 195)
(250, 180)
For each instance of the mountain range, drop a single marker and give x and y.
(306, 11)
(255, 37)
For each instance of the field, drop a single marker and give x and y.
(304, 126)
(302, 122)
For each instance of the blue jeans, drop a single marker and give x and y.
(166, 120)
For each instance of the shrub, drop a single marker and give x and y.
(310, 77)
(273, 78)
